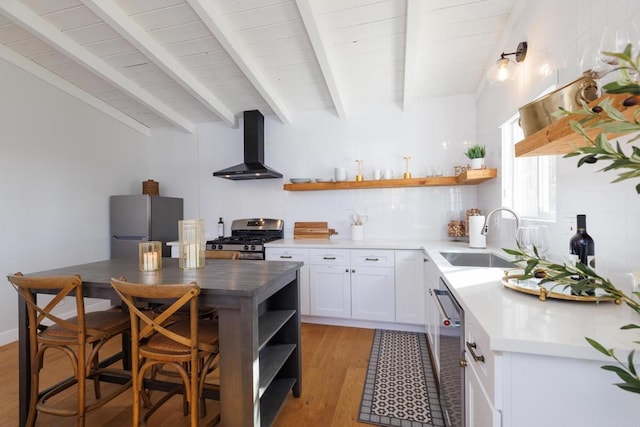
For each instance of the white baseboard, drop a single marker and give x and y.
(367, 324)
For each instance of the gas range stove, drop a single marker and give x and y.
(248, 237)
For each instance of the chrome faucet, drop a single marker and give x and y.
(485, 226)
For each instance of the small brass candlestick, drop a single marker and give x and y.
(407, 174)
(359, 175)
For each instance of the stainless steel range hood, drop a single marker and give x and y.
(253, 166)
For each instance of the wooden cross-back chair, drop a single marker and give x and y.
(47, 331)
(188, 346)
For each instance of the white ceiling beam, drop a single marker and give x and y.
(120, 22)
(43, 74)
(30, 21)
(214, 22)
(322, 54)
(411, 52)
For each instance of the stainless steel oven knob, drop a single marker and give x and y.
(253, 247)
(246, 247)
(219, 246)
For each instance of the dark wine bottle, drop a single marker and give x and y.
(582, 245)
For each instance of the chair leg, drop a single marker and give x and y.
(82, 389)
(33, 399)
(95, 365)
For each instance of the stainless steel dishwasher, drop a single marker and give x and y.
(451, 335)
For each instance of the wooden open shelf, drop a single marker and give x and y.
(470, 177)
(558, 138)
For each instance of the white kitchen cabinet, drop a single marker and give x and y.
(356, 284)
(295, 254)
(480, 377)
(432, 316)
(409, 288)
(330, 290)
(372, 293)
(479, 412)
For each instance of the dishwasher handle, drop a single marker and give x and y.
(447, 319)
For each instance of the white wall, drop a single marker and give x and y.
(563, 29)
(316, 142)
(59, 162)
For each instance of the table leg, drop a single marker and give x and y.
(24, 363)
(239, 369)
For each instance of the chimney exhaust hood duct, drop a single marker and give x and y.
(253, 166)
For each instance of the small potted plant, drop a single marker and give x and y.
(476, 154)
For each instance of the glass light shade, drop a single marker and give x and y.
(504, 70)
(192, 243)
(150, 256)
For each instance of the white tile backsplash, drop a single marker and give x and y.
(317, 142)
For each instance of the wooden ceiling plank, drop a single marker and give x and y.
(117, 19)
(62, 84)
(411, 52)
(241, 57)
(38, 26)
(322, 55)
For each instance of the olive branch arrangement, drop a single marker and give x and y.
(610, 120)
(580, 278)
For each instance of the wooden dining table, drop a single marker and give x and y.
(259, 321)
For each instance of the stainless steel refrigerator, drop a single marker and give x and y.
(141, 218)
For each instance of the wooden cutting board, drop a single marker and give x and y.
(311, 230)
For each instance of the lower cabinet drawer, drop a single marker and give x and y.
(287, 255)
(329, 257)
(372, 258)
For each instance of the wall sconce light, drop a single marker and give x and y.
(505, 69)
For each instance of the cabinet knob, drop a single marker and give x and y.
(463, 363)
(346, 270)
(353, 271)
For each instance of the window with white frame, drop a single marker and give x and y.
(528, 183)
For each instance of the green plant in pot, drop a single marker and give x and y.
(608, 119)
(476, 154)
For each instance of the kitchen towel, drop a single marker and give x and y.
(476, 238)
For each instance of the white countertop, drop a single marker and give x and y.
(514, 321)
(518, 322)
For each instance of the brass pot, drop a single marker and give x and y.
(538, 114)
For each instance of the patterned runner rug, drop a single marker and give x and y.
(400, 388)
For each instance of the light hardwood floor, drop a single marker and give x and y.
(334, 361)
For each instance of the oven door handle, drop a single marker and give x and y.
(446, 321)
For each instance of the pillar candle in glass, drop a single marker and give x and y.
(192, 243)
(150, 256)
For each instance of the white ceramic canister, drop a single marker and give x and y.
(357, 232)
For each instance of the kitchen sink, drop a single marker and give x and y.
(484, 259)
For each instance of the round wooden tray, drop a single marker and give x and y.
(512, 281)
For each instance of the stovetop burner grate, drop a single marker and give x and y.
(245, 240)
